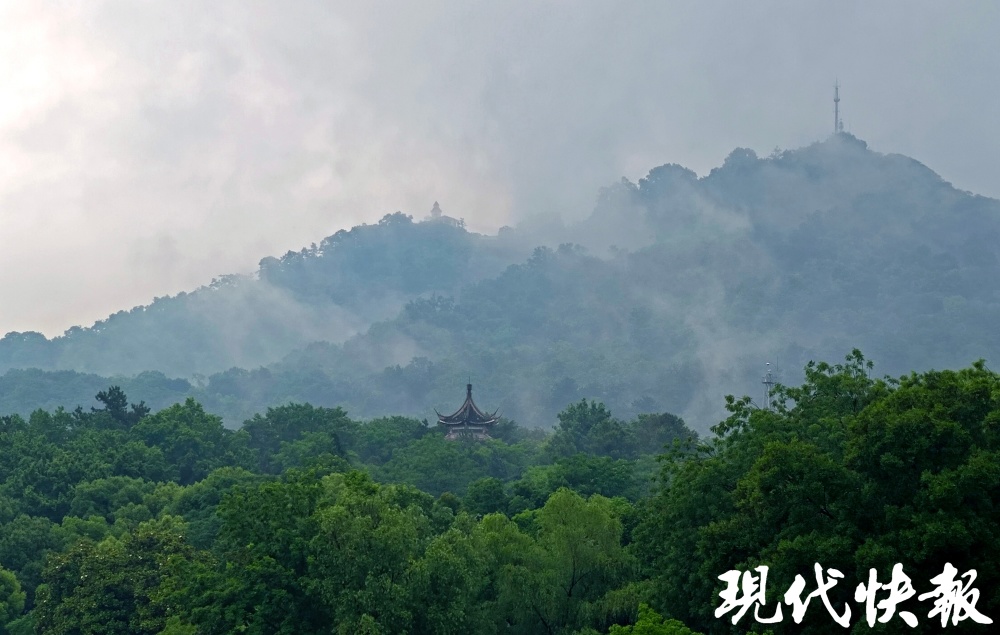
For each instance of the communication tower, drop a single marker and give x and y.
(838, 123)
(769, 380)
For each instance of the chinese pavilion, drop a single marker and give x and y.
(468, 422)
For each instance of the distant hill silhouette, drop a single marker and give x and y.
(675, 291)
(325, 292)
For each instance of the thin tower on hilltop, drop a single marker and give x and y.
(769, 380)
(838, 124)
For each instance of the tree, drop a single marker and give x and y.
(652, 432)
(111, 586)
(105, 496)
(329, 427)
(262, 584)
(651, 623)
(486, 496)
(589, 427)
(11, 599)
(434, 465)
(367, 537)
(561, 578)
(448, 584)
(846, 471)
(193, 442)
(379, 438)
(117, 407)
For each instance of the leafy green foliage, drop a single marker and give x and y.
(486, 496)
(11, 599)
(856, 473)
(651, 623)
(589, 428)
(275, 529)
(307, 520)
(271, 434)
(110, 586)
(116, 407)
(193, 442)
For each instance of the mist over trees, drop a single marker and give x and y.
(326, 292)
(674, 291)
(307, 492)
(122, 519)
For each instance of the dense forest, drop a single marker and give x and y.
(324, 292)
(276, 469)
(673, 292)
(121, 519)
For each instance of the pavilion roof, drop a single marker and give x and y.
(468, 413)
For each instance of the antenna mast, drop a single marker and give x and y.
(768, 380)
(838, 125)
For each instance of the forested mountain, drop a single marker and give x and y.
(324, 292)
(348, 512)
(674, 291)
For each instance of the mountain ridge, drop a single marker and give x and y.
(684, 286)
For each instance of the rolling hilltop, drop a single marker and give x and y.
(672, 293)
(324, 292)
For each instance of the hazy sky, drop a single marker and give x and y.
(146, 147)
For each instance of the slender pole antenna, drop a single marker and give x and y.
(768, 380)
(838, 124)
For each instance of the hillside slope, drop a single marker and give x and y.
(802, 255)
(325, 292)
